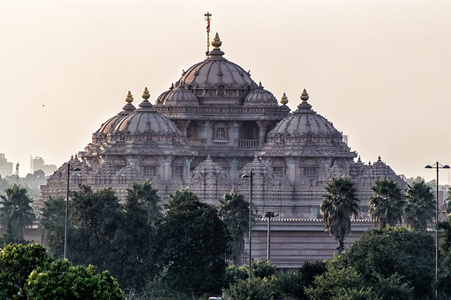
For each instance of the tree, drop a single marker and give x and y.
(17, 261)
(105, 233)
(191, 242)
(95, 218)
(420, 206)
(15, 209)
(293, 284)
(337, 207)
(444, 279)
(234, 212)
(10, 237)
(132, 241)
(60, 280)
(257, 288)
(387, 203)
(52, 225)
(391, 250)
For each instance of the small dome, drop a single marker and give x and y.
(180, 96)
(147, 120)
(161, 99)
(111, 123)
(259, 97)
(304, 125)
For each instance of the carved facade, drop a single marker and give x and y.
(211, 127)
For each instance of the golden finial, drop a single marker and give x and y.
(216, 42)
(284, 99)
(129, 98)
(146, 94)
(304, 95)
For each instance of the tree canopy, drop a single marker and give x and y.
(60, 281)
(387, 203)
(15, 209)
(420, 206)
(386, 263)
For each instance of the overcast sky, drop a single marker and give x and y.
(378, 69)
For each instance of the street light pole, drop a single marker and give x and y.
(251, 183)
(269, 215)
(437, 166)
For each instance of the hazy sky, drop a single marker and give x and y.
(380, 70)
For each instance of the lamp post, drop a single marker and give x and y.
(66, 218)
(269, 215)
(251, 183)
(437, 166)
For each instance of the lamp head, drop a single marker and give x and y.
(428, 167)
(445, 167)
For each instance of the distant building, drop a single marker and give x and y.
(38, 163)
(6, 168)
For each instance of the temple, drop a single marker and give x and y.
(212, 126)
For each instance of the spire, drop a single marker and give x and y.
(145, 104)
(129, 106)
(304, 105)
(216, 52)
(284, 99)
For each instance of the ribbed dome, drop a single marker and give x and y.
(260, 97)
(160, 100)
(109, 125)
(216, 77)
(146, 120)
(304, 125)
(180, 96)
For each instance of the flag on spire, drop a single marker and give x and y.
(208, 26)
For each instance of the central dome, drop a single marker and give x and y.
(215, 81)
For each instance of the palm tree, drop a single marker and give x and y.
(233, 210)
(52, 225)
(338, 205)
(387, 203)
(420, 206)
(15, 209)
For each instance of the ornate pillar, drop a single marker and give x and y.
(262, 125)
(167, 168)
(292, 170)
(188, 167)
(205, 131)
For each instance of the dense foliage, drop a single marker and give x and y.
(105, 233)
(60, 280)
(191, 244)
(234, 212)
(52, 225)
(17, 261)
(388, 263)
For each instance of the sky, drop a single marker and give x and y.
(379, 70)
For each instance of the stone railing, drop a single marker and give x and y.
(247, 143)
(194, 142)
